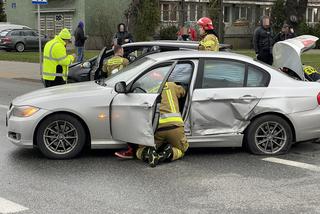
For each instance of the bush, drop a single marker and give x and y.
(169, 33)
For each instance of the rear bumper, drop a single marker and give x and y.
(307, 124)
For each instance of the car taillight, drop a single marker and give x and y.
(6, 40)
(318, 98)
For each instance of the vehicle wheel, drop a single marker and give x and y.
(20, 47)
(269, 135)
(61, 136)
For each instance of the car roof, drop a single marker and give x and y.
(169, 43)
(164, 56)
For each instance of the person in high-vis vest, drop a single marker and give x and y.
(171, 141)
(311, 73)
(209, 41)
(116, 63)
(56, 61)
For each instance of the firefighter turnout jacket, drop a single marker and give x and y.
(115, 64)
(55, 54)
(209, 43)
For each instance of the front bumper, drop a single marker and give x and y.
(20, 130)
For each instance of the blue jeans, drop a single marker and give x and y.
(79, 51)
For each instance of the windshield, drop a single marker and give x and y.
(4, 33)
(130, 71)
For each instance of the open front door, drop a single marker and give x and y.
(135, 115)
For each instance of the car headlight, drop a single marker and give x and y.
(24, 111)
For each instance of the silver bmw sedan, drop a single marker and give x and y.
(232, 101)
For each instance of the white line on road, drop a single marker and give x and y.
(4, 106)
(7, 206)
(294, 164)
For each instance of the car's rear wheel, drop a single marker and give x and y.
(61, 136)
(269, 135)
(20, 47)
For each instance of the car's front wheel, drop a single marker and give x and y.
(61, 136)
(269, 135)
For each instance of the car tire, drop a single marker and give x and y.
(268, 135)
(20, 47)
(61, 136)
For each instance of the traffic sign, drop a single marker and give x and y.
(39, 1)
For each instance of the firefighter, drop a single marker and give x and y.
(171, 141)
(209, 37)
(117, 62)
(55, 59)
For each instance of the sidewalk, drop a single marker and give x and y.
(20, 70)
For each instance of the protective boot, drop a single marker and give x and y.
(166, 153)
(153, 157)
(145, 154)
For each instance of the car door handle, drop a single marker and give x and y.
(248, 97)
(146, 105)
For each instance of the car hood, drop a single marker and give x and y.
(288, 53)
(68, 92)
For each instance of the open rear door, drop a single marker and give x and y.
(288, 53)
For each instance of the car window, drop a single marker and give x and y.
(223, 74)
(129, 72)
(16, 33)
(256, 77)
(28, 33)
(151, 81)
(4, 33)
(181, 73)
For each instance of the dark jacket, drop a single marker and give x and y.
(79, 36)
(263, 40)
(283, 36)
(121, 36)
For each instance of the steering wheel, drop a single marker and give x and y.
(141, 89)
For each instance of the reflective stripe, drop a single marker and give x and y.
(170, 119)
(163, 116)
(54, 74)
(50, 57)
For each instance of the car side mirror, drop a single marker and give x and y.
(121, 87)
(86, 65)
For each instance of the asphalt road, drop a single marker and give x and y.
(205, 181)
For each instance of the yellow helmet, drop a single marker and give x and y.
(65, 34)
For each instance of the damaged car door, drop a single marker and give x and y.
(135, 110)
(226, 92)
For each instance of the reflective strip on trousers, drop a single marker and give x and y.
(170, 119)
(164, 116)
(54, 74)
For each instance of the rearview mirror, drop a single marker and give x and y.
(86, 65)
(120, 87)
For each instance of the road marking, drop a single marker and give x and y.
(294, 164)
(7, 206)
(4, 106)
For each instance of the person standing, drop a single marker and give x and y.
(171, 141)
(286, 33)
(80, 39)
(122, 36)
(209, 41)
(55, 59)
(263, 41)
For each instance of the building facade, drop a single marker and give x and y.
(240, 17)
(59, 14)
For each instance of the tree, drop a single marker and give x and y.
(145, 18)
(3, 17)
(296, 11)
(215, 10)
(278, 15)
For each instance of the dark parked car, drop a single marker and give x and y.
(92, 69)
(21, 40)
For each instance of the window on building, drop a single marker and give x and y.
(265, 11)
(313, 15)
(200, 10)
(243, 13)
(192, 12)
(226, 14)
(169, 12)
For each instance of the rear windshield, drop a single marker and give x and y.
(4, 33)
